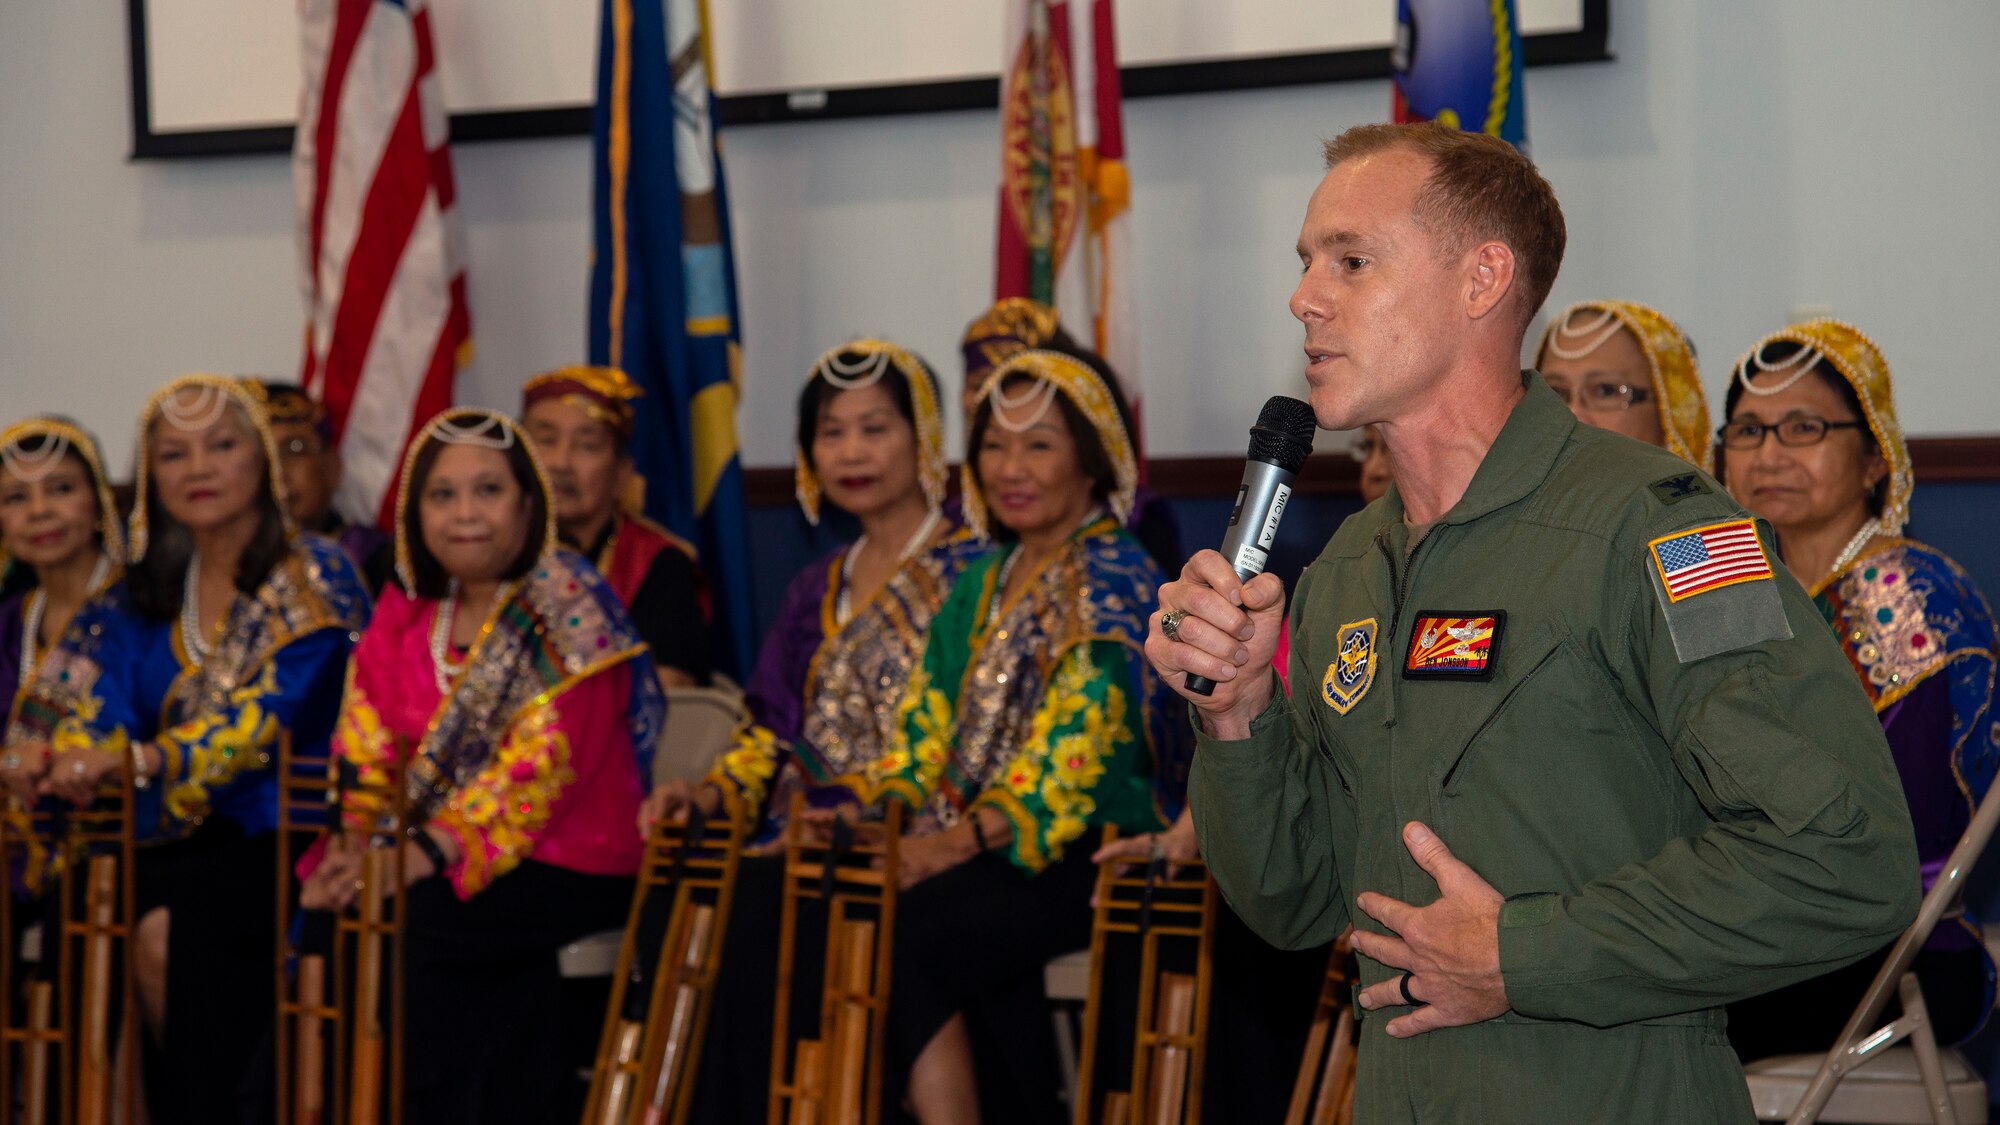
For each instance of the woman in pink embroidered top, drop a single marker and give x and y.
(503, 686)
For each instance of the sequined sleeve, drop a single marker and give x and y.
(500, 814)
(1084, 760)
(224, 746)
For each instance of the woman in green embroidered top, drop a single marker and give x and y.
(1033, 720)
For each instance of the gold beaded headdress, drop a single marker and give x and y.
(604, 393)
(215, 394)
(1055, 373)
(60, 438)
(466, 425)
(840, 373)
(1677, 393)
(1012, 326)
(1849, 351)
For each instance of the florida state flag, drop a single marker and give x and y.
(1064, 231)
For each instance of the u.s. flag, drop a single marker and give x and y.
(1707, 558)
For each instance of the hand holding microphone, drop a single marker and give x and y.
(1220, 616)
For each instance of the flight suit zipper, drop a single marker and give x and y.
(1402, 585)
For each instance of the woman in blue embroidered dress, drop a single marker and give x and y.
(252, 623)
(1813, 446)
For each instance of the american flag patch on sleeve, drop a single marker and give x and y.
(1708, 558)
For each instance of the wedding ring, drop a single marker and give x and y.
(1407, 998)
(1170, 624)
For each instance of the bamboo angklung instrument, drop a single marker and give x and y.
(649, 1052)
(835, 1078)
(1168, 1053)
(1323, 1094)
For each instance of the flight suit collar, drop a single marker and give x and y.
(1521, 458)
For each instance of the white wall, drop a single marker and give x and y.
(1737, 161)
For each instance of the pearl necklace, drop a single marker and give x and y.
(842, 613)
(443, 671)
(31, 621)
(194, 638)
(1850, 552)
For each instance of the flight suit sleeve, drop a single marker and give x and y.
(1809, 860)
(1266, 811)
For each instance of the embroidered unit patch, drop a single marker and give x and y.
(1353, 668)
(1708, 558)
(1453, 644)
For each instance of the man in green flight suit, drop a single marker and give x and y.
(1577, 760)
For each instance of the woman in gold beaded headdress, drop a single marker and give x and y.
(1813, 446)
(1032, 720)
(502, 687)
(251, 624)
(1624, 367)
(821, 701)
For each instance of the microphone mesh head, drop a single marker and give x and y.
(1283, 435)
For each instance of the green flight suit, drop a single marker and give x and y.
(1685, 803)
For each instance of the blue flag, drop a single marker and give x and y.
(1458, 62)
(663, 287)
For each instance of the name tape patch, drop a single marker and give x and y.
(1453, 644)
(1709, 558)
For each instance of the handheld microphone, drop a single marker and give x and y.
(1279, 444)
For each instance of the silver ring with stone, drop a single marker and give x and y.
(1170, 624)
(79, 768)
(11, 761)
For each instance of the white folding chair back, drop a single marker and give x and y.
(1921, 1089)
(700, 723)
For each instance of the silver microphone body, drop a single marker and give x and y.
(1253, 526)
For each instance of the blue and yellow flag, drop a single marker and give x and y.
(1458, 62)
(663, 286)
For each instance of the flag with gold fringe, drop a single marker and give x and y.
(663, 286)
(1458, 62)
(1065, 234)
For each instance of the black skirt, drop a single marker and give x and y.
(481, 1034)
(219, 889)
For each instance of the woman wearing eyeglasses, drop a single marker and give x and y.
(1626, 368)
(1813, 446)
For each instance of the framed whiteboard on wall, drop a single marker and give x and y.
(214, 77)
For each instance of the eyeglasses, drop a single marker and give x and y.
(1362, 449)
(1602, 396)
(1795, 431)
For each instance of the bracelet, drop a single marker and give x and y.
(140, 778)
(979, 833)
(429, 846)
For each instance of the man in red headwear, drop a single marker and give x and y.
(580, 419)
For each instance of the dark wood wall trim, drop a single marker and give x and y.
(1955, 460)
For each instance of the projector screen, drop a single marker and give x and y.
(217, 76)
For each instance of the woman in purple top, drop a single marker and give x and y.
(822, 699)
(1813, 446)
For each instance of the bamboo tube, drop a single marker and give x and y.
(309, 1073)
(365, 1060)
(690, 957)
(1117, 1108)
(848, 1054)
(1175, 1018)
(93, 1064)
(41, 1016)
(1336, 1081)
(618, 1091)
(808, 1082)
